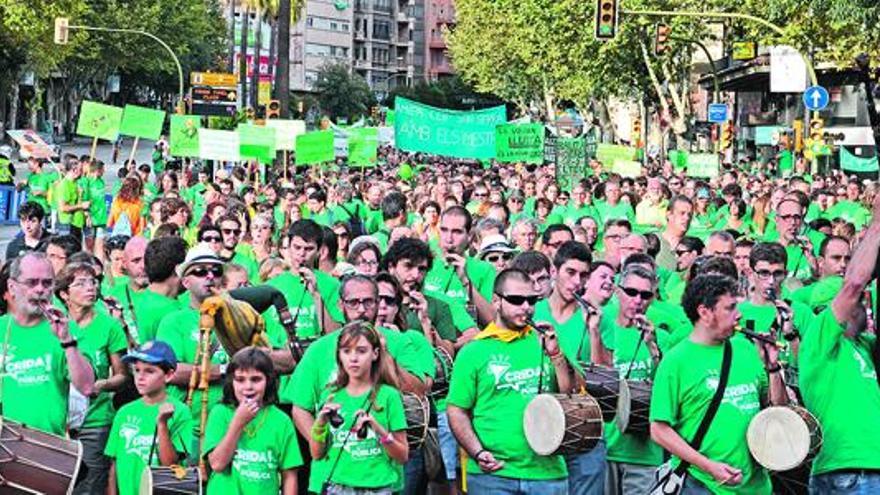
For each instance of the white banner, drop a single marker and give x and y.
(788, 71)
(286, 132)
(219, 145)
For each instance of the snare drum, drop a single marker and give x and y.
(32, 461)
(604, 385)
(418, 413)
(443, 364)
(634, 407)
(172, 480)
(562, 423)
(781, 438)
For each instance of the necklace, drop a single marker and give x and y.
(251, 429)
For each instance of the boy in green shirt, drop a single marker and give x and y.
(72, 207)
(153, 430)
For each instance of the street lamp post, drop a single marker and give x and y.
(180, 105)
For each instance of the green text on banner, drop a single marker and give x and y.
(571, 162)
(519, 143)
(314, 147)
(99, 121)
(422, 128)
(142, 122)
(185, 135)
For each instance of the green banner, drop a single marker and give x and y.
(854, 163)
(703, 165)
(607, 154)
(142, 122)
(571, 162)
(422, 128)
(519, 143)
(389, 118)
(256, 142)
(768, 135)
(591, 143)
(99, 120)
(314, 147)
(678, 158)
(185, 135)
(363, 146)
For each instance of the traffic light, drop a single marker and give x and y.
(374, 112)
(250, 113)
(727, 135)
(817, 130)
(798, 127)
(273, 109)
(661, 39)
(61, 24)
(637, 129)
(606, 19)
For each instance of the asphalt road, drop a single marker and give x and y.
(104, 152)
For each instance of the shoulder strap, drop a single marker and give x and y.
(713, 406)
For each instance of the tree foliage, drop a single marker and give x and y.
(341, 93)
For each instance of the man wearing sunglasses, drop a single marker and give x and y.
(200, 274)
(637, 346)
(768, 309)
(688, 249)
(798, 247)
(230, 251)
(494, 378)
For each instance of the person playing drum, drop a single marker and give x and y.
(577, 329)
(838, 380)
(360, 431)
(685, 383)
(250, 444)
(636, 345)
(154, 430)
(493, 379)
(41, 359)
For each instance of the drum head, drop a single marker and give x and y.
(624, 399)
(544, 424)
(146, 482)
(778, 438)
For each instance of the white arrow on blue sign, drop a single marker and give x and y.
(718, 113)
(816, 98)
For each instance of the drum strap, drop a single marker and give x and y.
(713, 406)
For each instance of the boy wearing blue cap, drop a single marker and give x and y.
(154, 430)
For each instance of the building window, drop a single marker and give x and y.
(327, 24)
(320, 50)
(381, 30)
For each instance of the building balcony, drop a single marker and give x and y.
(403, 17)
(361, 63)
(445, 17)
(360, 36)
(441, 69)
(436, 42)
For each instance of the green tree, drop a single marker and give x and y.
(341, 93)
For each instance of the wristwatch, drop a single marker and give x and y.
(70, 343)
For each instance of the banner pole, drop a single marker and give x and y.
(94, 149)
(133, 148)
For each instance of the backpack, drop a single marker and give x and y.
(356, 227)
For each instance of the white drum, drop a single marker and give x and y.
(562, 423)
(781, 438)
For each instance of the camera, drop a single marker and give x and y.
(335, 419)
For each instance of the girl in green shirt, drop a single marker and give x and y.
(250, 444)
(365, 441)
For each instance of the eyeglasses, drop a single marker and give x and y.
(31, 283)
(644, 295)
(231, 231)
(480, 194)
(84, 282)
(495, 258)
(777, 274)
(354, 303)
(389, 300)
(212, 238)
(518, 300)
(791, 218)
(368, 262)
(262, 227)
(203, 271)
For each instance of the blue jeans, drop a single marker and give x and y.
(853, 482)
(416, 481)
(448, 445)
(97, 465)
(586, 472)
(490, 484)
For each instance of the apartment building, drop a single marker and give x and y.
(386, 37)
(439, 17)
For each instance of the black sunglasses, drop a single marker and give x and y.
(389, 300)
(518, 300)
(231, 231)
(631, 292)
(212, 238)
(202, 272)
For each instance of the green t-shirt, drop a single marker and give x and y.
(69, 192)
(442, 279)
(574, 338)
(37, 381)
(41, 182)
(180, 330)
(620, 211)
(495, 380)
(244, 256)
(94, 190)
(363, 463)
(684, 385)
(764, 316)
(629, 354)
(266, 447)
(838, 382)
(850, 211)
(102, 337)
(445, 322)
(150, 308)
(300, 301)
(131, 439)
